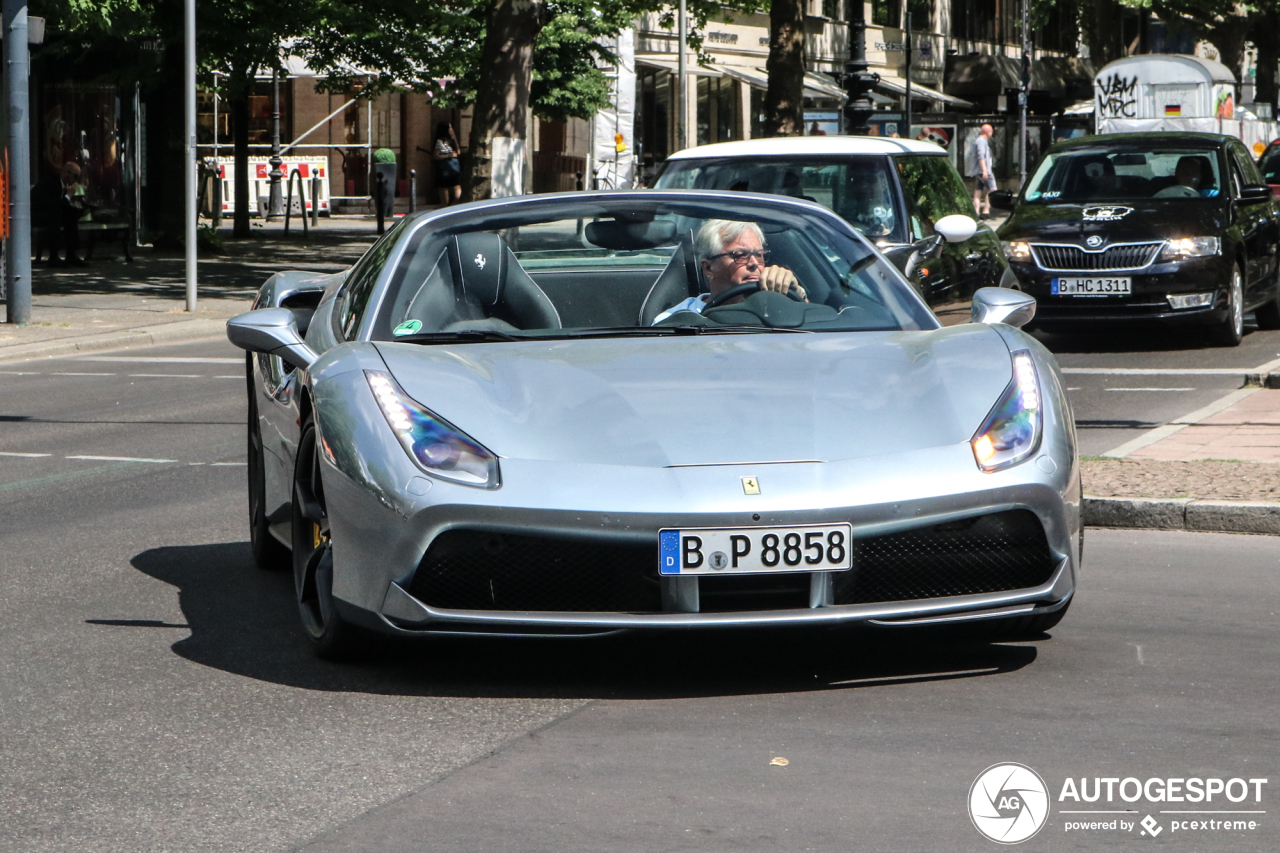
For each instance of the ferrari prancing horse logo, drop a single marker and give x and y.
(750, 486)
(480, 261)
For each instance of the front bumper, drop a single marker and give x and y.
(378, 572)
(1147, 303)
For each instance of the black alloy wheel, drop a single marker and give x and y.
(1230, 331)
(331, 635)
(268, 553)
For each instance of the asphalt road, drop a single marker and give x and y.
(157, 694)
(1180, 374)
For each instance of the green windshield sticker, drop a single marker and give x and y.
(408, 327)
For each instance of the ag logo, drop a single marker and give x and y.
(1094, 242)
(1105, 214)
(480, 261)
(1008, 803)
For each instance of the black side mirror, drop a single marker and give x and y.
(1253, 193)
(1002, 199)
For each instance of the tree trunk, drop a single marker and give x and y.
(1103, 33)
(784, 100)
(502, 101)
(239, 104)
(1267, 38)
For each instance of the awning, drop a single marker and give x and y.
(898, 86)
(667, 62)
(1083, 108)
(815, 85)
(978, 75)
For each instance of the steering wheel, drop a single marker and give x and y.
(743, 290)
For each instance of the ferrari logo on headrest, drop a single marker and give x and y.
(480, 261)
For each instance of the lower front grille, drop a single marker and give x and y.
(991, 553)
(480, 570)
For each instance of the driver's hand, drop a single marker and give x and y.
(780, 280)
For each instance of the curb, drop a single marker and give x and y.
(182, 331)
(1183, 514)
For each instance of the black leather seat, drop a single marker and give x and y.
(671, 287)
(487, 275)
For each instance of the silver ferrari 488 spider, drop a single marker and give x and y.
(585, 413)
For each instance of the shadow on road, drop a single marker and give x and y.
(244, 621)
(1130, 339)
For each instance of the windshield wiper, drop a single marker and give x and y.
(464, 336)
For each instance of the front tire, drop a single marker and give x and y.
(268, 553)
(332, 636)
(1230, 331)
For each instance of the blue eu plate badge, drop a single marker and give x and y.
(669, 552)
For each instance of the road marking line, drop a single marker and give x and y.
(138, 359)
(24, 455)
(20, 373)
(1148, 389)
(120, 459)
(1180, 424)
(69, 373)
(168, 375)
(1164, 371)
(228, 464)
(232, 376)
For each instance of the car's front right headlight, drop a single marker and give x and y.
(437, 447)
(1011, 433)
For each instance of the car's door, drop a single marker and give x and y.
(1255, 222)
(932, 189)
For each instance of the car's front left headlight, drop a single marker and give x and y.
(1011, 433)
(437, 447)
(1190, 247)
(1018, 250)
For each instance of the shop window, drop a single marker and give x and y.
(886, 13)
(921, 15)
(83, 124)
(833, 9)
(259, 116)
(653, 111)
(717, 110)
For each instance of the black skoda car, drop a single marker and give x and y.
(1162, 227)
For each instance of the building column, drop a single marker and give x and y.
(744, 110)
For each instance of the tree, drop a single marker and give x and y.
(784, 99)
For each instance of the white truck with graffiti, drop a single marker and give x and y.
(1166, 91)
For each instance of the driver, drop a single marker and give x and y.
(731, 254)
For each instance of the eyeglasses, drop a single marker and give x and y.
(742, 256)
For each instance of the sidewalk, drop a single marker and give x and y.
(110, 304)
(1220, 472)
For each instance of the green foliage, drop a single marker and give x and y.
(384, 155)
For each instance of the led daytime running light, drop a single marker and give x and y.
(1011, 433)
(436, 447)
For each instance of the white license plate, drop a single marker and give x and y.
(1092, 286)
(752, 550)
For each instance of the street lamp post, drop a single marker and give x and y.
(1023, 91)
(189, 133)
(858, 81)
(682, 70)
(17, 75)
(275, 204)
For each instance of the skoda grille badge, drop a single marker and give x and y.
(480, 261)
(1094, 242)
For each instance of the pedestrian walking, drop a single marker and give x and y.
(979, 169)
(447, 168)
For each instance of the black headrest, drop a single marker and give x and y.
(480, 258)
(624, 235)
(1206, 168)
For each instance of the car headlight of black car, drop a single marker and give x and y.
(1190, 247)
(1018, 250)
(438, 448)
(1012, 431)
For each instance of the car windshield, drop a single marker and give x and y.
(858, 188)
(1131, 173)
(641, 270)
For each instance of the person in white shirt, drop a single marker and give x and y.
(733, 253)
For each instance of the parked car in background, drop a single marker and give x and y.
(894, 191)
(1269, 166)
(1157, 227)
